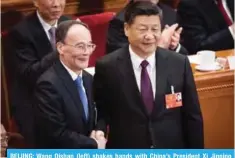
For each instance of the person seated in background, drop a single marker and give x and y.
(33, 51)
(207, 24)
(65, 113)
(170, 34)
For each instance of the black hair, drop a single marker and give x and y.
(136, 8)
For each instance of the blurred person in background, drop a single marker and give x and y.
(33, 52)
(207, 24)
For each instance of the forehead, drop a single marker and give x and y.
(151, 20)
(78, 33)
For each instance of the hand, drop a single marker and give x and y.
(98, 136)
(175, 39)
(78, 19)
(166, 36)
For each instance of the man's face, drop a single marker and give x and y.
(153, 1)
(143, 34)
(50, 10)
(77, 48)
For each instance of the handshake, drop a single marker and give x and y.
(98, 136)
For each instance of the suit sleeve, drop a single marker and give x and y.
(116, 37)
(195, 36)
(51, 120)
(192, 116)
(101, 97)
(28, 64)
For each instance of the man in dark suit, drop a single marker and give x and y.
(208, 25)
(32, 51)
(146, 94)
(64, 109)
(170, 37)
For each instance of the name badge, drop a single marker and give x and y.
(173, 100)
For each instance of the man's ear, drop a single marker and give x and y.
(126, 29)
(60, 47)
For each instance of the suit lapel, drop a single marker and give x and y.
(129, 84)
(161, 82)
(71, 88)
(39, 36)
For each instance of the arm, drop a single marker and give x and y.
(116, 37)
(195, 36)
(192, 116)
(101, 97)
(51, 120)
(28, 65)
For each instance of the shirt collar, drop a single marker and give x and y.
(71, 72)
(45, 25)
(137, 60)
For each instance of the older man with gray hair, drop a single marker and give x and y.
(64, 108)
(33, 52)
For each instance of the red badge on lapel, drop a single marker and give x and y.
(173, 100)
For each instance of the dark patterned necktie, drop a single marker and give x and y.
(52, 37)
(146, 87)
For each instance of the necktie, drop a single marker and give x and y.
(82, 95)
(224, 13)
(52, 37)
(146, 87)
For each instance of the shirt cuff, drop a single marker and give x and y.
(232, 31)
(178, 48)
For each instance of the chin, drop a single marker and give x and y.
(83, 66)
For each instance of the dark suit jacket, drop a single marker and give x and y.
(120, 106)
(60, 117)
(116, 37)
(31, 54)
(204, 27)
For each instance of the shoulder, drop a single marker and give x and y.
(23, 27)
(111, 58)
(174, 59)
(49, 77)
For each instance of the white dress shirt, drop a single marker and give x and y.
(73, 74)
(46, 26)
(151, 68)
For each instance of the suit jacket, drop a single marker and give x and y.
(60, 118)
(31, 54)
(204, 25)
(116, 37)
(120, 106)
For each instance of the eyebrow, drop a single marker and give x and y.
(81, 42)
(144, 25)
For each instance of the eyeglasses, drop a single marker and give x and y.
(83, 47)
